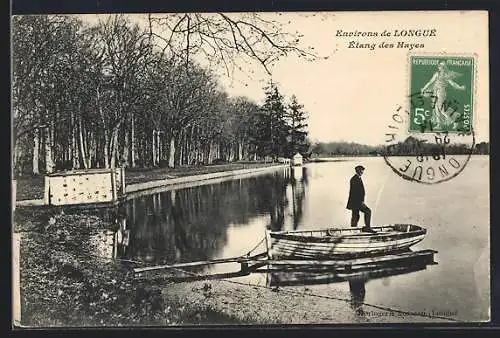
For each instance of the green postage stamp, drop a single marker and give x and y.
(441, 94)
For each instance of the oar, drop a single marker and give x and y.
(238, 259)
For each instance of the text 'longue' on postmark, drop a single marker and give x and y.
(433, 139)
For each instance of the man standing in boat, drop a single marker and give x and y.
(356, 201)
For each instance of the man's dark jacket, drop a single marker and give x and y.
(356, 193)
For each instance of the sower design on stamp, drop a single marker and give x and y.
(441, 94)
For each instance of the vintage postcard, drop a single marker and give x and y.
(250, 168)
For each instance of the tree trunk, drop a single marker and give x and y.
(188, 150)
(144, 146)
(52, 131)
(201, 154)
(231, 153)
(126, 148)
(104, 127)
(82, 143)
(191, 153)
(91, 150)
(114, 146)
(85, 143)
(112, 150)
(154, 148)
(158, 147)
(49, 162)
(106, 149)
(184, 151)
(191, 147)
(171, 157)
(74, 145)
(36, 151)
(181, 150)
(240, 151)
(132, 143)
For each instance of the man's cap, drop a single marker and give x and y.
(359, 167)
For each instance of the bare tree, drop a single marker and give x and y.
(38, 44)
(221, 38)
(124, 51)
(115, 93)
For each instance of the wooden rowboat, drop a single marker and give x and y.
(345, 242)
(334, 248)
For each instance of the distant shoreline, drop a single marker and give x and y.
(348, 157)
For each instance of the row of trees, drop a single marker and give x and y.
(409, 147)
(344, 149)
(116, 93)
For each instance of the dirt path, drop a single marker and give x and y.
(31, 187)
(261, 305)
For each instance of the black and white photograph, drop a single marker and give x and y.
(250, 168)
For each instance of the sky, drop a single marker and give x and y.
(352, 95)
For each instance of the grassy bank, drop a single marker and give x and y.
(31, 187)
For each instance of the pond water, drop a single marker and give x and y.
(229, 218)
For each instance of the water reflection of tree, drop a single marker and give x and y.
(277, 201)
(177, 226)
(357, 289)
(190, 224)
(296, 178)
(298, 195)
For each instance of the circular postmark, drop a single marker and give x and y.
(432, 140)
(425, 156)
